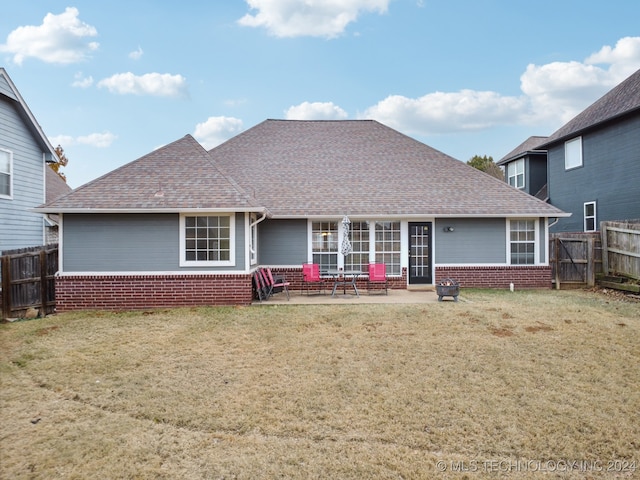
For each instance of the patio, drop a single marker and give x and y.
(394, 297)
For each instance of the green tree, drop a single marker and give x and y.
(487, 165)
(62, 162)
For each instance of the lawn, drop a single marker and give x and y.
(517, 385)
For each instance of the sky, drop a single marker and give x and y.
(113, 81)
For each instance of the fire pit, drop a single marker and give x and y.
(448, 288)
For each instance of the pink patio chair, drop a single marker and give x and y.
(311, 276)
(277, 281)
(378, 276)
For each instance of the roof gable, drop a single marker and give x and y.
(623, 99)
(178, 176)
(9, 91)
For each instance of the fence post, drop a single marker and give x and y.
(43, 282)
(591, 262)
(557, 260)
(605, 248)
(6, 287)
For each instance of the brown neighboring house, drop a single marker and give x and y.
(186, 226)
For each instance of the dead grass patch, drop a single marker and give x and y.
(346, 391)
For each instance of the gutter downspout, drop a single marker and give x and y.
(252, 250)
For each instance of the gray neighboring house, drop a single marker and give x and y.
(592, 162)
(24, 153)
(186, 226)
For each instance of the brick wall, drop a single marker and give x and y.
(134, 292)
(498, 277)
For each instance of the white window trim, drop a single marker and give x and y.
(569, 145)
(513, 172)
(536, 243)
(10, 196)
(232, 241)
(585, 217)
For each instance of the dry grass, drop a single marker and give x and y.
(351, 391)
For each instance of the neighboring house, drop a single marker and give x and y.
(525, 167)
(592, 162)
(186, 226)
(24, 153)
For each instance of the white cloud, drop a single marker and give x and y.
(136, 54)
(552, 94)
(80, 81)
(315, 111)
(216, 130)
(156, 84)
(319, 18)
(60, 39)
(98, 140)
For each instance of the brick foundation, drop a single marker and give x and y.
(498, 277)
(135, 292)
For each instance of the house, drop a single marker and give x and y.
(525, 167)
(186, 226)
(592, 162)
(24, 153)
(55, 187)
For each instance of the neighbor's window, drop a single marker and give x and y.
(324, 244)
(573, 153)
(522, 242)
(5, 173)
(387, 245)
(358, 259)
(590, 217)
(515, 173)
(207, 240)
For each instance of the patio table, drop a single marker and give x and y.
(344, 278)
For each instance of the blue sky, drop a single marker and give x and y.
(112, 81)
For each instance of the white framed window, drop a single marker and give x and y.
(573, 153)
(207, 240)
(515, 173)
(371, 241)
(324, 244)
(6, 173)
(388, 245)
(590, 217)
(253, 239)
(359, 235)
(522, 242)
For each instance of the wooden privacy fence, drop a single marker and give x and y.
(576, 259)
(28, 281)
(621, 243)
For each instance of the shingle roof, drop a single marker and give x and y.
(178, 176)
(530, 145)
(293, 168)
(623, 99)
(361, 167)
(54, 185)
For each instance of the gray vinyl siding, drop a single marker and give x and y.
(20, 227)
(610, 175)
(282, 242)
(473, 241)
(131, 243)
(536, 176)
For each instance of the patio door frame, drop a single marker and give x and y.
(412, 257)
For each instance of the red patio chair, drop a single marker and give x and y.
(260, 286)
(311, 276)
(274, 282)
(378, 275)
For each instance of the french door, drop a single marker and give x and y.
(420, 253)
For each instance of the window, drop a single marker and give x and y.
(522, 242)
(573, 153)
(590, 217)
(358, 259)
(207, 240)
(324, 244)
(515, 173)
(6, 161)
(387, 245)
